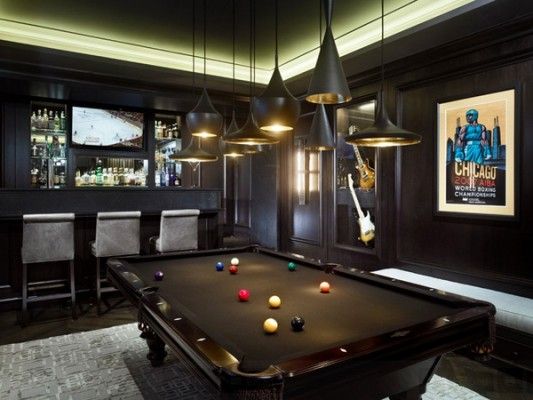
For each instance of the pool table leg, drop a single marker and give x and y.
(156, 346)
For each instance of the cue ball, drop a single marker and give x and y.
(297, 323)
(274, 301)
(243, 295)
(233, 269)
(270, 325)
(324, 287)
(234, 261)
(158, 275)
(291, 266)
(219, 266)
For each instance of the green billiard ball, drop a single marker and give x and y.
(291, 266)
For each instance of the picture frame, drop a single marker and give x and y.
(477, 157)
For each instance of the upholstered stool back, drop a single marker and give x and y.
(178, 231)
(117, 234)
(47, 237)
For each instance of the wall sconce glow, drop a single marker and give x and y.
(300, 175)
(415, 13)
(314, 171)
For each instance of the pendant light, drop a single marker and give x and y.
(193, 153)
(320, 136)
(230, 149)
(383, 133)
(250, 134)
(328, 84)
(204, 120)
(276, 110)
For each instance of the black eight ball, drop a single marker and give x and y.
(297, 323)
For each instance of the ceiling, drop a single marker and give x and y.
(159, 32)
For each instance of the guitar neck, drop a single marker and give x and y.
(358, 156)
(356, 201)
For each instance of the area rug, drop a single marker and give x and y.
(111, 364)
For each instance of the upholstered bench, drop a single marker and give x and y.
(514, 314)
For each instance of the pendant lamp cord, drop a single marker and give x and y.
(251, 7)
(382, 44)
(233, 35)
(319, 23)
(205, 41)
(276, 33)
(193, 43)
(253, 19)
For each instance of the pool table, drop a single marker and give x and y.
(368, 338)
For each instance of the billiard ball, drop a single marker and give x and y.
(274, 301)
(291, 266)
(233, 269)
(158, 275)
(243, 295)
(270, 325)
(219, 266)
(234, 261)
(324, 287)
(297, 323)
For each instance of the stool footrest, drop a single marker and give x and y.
(55, 296)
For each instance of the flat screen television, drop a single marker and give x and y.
(98, 127)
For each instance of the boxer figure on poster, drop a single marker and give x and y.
(471, 143)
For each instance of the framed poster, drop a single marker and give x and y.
(476, 155)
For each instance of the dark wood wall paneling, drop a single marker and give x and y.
(409, 233)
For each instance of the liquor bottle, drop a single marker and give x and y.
(62, 179)
(62, 151)
(157, 178)
(86, 178)
(92, 178)
(78, 181)
(57, 123)
(33, 121)
(34, 148)
(62, 121)
(51, 120)
(34, 177)
(116, 180)
(44, 119)
(99, 180)
(121, 180)
(162, 176)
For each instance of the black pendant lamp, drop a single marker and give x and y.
(320, 136)
(250, 134)
(204, 120)
(193, 153)
(229, 149)
(328, 84)
(276, 110)
(383, 133)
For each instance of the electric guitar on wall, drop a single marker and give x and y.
(366, 227)
(367, 175)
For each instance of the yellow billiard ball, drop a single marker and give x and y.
(324, 287)
(270, 325)
(274, 301)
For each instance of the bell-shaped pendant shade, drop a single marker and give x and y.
(320, 136)
(383, 133)
(230, 149)
(250, 134)
(193, 153)
(328, 84)
(204, 120)
(276, 110)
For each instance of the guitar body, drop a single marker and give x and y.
(367, 229)
(367, 175)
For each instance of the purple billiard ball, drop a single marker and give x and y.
(158, 275)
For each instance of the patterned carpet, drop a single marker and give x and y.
(111, 364)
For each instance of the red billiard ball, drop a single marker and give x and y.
(244, 295)
(158, 275)
(233, 269)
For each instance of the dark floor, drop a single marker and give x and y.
(502, 383)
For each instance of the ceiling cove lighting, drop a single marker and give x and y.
(383, 133)
(204, 120)
(102, 44)
(250, 134)
(276, 110)
(328, 84)
(320, 136)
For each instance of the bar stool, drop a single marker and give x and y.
(178, 231)
(117, 234)
(47, 238)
